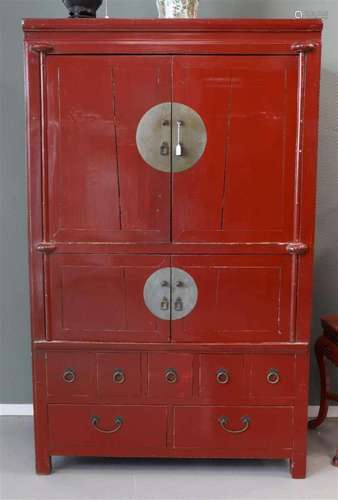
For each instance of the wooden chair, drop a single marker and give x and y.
(326, 346)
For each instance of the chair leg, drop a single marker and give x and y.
(323, 409)
(335, 459)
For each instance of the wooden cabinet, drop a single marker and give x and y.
(171, 169)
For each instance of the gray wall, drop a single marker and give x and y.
(15, 376)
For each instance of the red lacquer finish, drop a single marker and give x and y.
(230, 378)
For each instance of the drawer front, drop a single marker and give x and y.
(272, 376)
(233, 427)
(70, 376)
(119, 375)
(222, 377)
(106, 429)
(170, 375)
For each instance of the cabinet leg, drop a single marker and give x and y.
(323, 388)
(298, 466)
(43, 464)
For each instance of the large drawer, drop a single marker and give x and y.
(105, 429)
(228, 427)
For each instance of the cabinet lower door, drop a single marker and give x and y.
(240, 298)
(100, 297)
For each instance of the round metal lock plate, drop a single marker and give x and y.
(156, 293)
(166, 127)
(170, 293)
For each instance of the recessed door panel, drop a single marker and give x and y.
(100, 297)
(240, 299)
(99, 187)
(242, 187)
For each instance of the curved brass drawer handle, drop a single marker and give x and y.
(222, 376)
(171, 376)
(224, 420)
(273, 377)
(69, 375)
(118, 421)
(119, 376)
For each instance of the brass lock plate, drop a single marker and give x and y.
(171, 136)
(170, 293)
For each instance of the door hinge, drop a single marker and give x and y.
(297, 248)
(303, 47)
(42, 48)
(46, 247)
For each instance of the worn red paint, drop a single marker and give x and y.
(101, 221)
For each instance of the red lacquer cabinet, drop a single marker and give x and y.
(172, 169)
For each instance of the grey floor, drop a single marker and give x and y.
(126, 479)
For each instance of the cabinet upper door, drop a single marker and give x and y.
(242, 188)
(98, 186)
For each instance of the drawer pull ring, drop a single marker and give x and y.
(273, 377)
(171, 376)
(119, 377)
(118, 421)
(69, 375)
(224, 421)
(222, 376)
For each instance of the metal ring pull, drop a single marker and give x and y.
(222, 376)
(225, 420)
(69, 375)
(273, 377)
(119, 376)
(118, 421)
(171, 376)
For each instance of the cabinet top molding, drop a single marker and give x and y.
(174, 25)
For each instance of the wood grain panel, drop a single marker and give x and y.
(242, 187)
(100, 297)
(93, 109)
(240, 299)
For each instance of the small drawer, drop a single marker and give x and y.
(70, 376)
(272, 376)
(230, 427)
(119, 375)
(222, 377)
(105, 430)
(170, 375)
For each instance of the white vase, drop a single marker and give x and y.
(177, 8)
